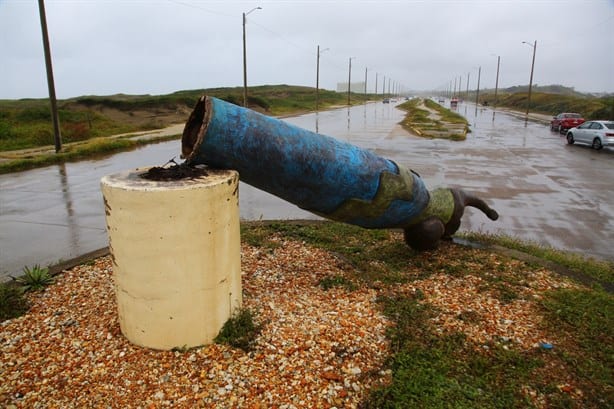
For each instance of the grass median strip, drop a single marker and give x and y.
(428, 119)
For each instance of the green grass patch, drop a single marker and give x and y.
(586, 319)
(446, 114)
(35, 278)
(239, 331)
(12, 301)
(26, 123)
(96, 147)
(337, 281)
(434, 122)
(550, 103)
(431, 369)
(597, 269)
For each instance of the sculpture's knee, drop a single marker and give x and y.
(425, 235)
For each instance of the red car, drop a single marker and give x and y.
(565, 121)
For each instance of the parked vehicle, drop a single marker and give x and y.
(565, 121)
(386, 101)
(595, 133)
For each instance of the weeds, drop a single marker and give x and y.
(597, 269)
(239, 331)
(434, 369)
(337, 281)
(12, 301)
(35, 278)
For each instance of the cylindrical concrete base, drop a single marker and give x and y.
(176, 255)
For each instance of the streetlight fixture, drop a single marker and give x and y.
(534, 45)
(245, 58)
(350, 79)
(318, 77)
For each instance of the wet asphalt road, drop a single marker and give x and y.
(544, 190)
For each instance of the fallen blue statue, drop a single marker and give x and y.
(318, 173)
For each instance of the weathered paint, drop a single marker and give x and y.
(318, 173)
(326, 176)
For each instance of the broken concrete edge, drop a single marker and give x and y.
(56, 269)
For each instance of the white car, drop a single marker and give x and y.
(595, 133)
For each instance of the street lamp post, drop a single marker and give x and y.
(534, 45)
(245, 58)
(350, 79)
(477, 94)
(467, 93)
(318, 78)
(50, 83)
(496, 88)
(497, 80)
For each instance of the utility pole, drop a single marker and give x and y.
(534, 45)
(467, 93)
(54, 105)
(376, 83)
(318, 78)
(245, 58)
(365, 81)
(497, 81)
(384, 86)
(477, 94)
(349, 80)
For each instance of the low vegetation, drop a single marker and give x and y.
(13, 303)
(596, 270)
(239, 331)
(551, 100)
(35, 278)
(435, 369)
(429, 119)
(88, 122)
(27, 123)
(431, 369)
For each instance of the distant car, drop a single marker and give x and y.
(565, 121)
(386, 101)
(595, 133)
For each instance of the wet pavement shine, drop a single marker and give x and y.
(545, 191)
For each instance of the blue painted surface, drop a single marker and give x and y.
(316, 172)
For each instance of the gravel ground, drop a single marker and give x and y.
(317, 348)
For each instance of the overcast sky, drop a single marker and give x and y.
(103, 47)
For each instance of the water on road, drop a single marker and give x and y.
(544, 190)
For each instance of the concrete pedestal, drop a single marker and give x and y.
(176, 256)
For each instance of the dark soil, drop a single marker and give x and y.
(174, 172)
